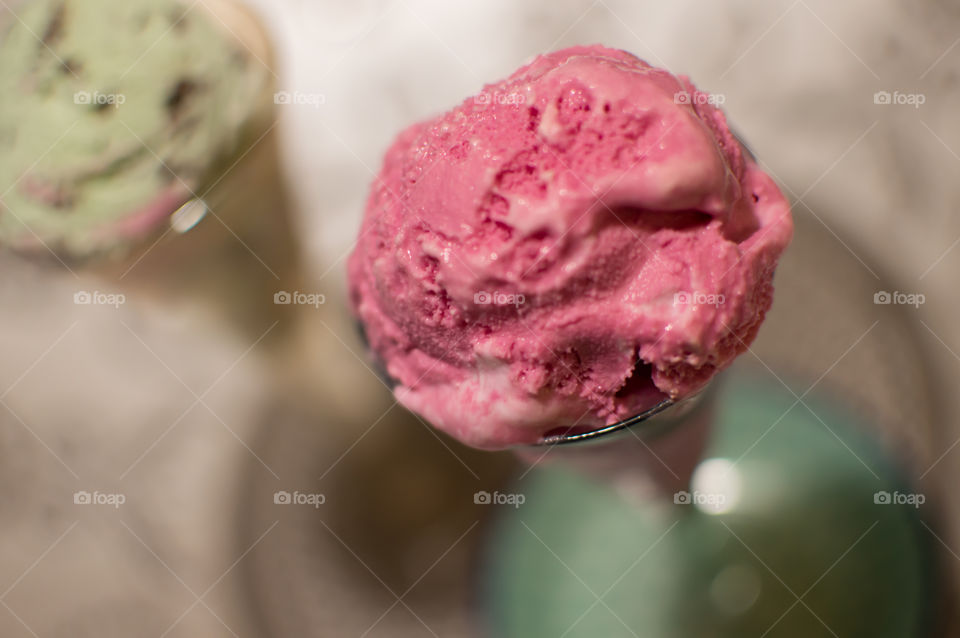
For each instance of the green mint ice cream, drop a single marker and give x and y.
(113, 114)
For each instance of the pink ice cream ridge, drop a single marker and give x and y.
(574, 244)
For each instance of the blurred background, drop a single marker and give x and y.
(191, 464)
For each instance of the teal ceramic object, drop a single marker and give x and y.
(786, 532)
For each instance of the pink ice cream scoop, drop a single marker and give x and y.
(566, 249)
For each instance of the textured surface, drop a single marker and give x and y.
(567, 247)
